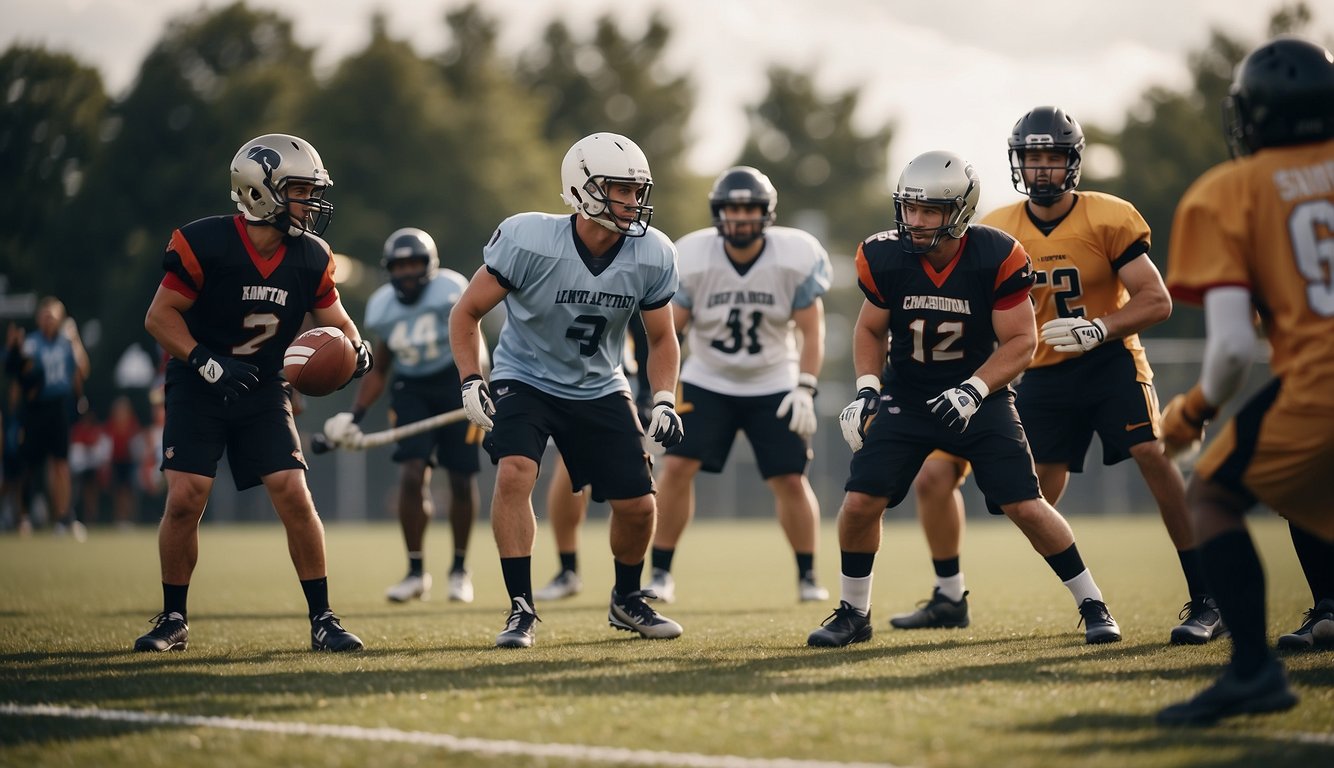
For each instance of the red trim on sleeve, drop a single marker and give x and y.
(1194, 294)
(188, 260)
(173, 283)
(1011, 301)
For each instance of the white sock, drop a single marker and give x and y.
(1083, 588)
(951, 586)
(857, 592)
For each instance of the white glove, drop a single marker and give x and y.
(956, 406)
(665, 427)
(857, 416)
(801, 402)
(477, 402)
(341, 430)
(1074, 334)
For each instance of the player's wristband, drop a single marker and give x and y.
(666, 397)
(1196, 410)
(808, 381)
(981, 386)
(869, 381)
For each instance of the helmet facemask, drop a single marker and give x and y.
(941, 179)
(1042, 191)
(415, 246)
(743, 186)
(1045, 129)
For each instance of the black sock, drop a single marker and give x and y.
(317, 595)
(569, 561)
(857, 565)
(662, 559)
(1067, 564)
(1194, 571)
(1317, 558)
(173, 598)
(518, 572)
(628, 577)
(1237, 583)
(415, 564)
(947, 567)
(805, 565)
(459, 556)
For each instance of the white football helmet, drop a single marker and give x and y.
(261, 171)
(600, 158)
(938, 178)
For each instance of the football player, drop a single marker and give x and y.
(952, 302)
(570, 285)
(750, 306)
(410, 317)
(1257, 233)
(235, 295)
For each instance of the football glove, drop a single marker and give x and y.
(955, 407)
(477, 402)
(230, 377)
(1183, 422)
(800, 402)
(857, 416)
(1074, 334)
(665, 427)
(341, 429)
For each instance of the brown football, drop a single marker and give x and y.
(320, 361)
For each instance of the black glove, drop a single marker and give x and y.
(230, 377)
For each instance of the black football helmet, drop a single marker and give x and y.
(413, 244)
(1046, 128)
(1282, 93)
(743, 185)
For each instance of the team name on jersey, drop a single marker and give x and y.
(741, 297)
(1299, 183)
(264, 293)
(942, 303)
(1054, 257)
(594, 298)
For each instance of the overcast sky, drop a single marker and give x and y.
(952, 75)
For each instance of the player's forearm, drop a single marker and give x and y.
(1230, 344)
(664, 362)
(1007, 361)
(1144, 310)
(810, 324)
(166, 325)
(868, 351)
(465, 339)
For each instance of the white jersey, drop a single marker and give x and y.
(741, 337)
(565, 329)
(417, 333)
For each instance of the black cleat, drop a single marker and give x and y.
(1099, 626)
(1317, 629)
(845, 626)
(632, 613)
(171, 633)
(519, 627)
(939, 612)
(327, 634)
(1202, 623)
(1267, 691)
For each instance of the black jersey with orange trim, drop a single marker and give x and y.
(940, 320)
(246, 306)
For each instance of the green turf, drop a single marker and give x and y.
(1017, 688)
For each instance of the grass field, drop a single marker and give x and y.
(1017, 688)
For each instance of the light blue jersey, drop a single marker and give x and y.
(565, 329)
(417, 334)
(55, 358)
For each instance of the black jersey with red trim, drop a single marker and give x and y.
(246, 306)
(940, 320)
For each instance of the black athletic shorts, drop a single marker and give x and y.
(600, 440)
(453, 446)
(711, 421)
(46, 426)
(1063, 405)
(902, 436)
(257, 431)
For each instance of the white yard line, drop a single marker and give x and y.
(577, 753)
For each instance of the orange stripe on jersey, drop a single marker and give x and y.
(327, 292)
(174, 283)
(864, 274)
(188, 259)
(1017, 260)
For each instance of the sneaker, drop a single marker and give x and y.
(519, 627)
(845, 626)
(327, 634)
(1317, 629)
(808, 591)
(562, 585)
(413, 586)
(1202, 623)
(79, 531)
(663, 585)
(460, 586)
(1099, 626)
(1267, 691)
(170, 633)
(939, 612)
(632, 613)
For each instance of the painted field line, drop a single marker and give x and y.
(577, 753)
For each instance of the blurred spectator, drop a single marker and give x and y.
(126, 438)
(12, 501)
(150, 474)
(89, 463)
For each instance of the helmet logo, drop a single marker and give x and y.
(1039, 140)
(267, 159)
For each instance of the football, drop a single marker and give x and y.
(320, 361)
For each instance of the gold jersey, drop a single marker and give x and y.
(1076, 264)
(1266, 223)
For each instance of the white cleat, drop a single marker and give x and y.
(413, 586)
(460, 586)
(663, 585)
(810, 592)
(564, 584)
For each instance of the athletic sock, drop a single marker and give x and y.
(459, 556)
(1237, 583)
(317, 595)
(628, 577)
(415, 563)
(518, 573)
(569, 561)
(173, 598)
(662, 558)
